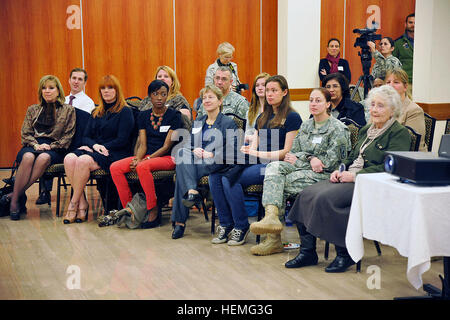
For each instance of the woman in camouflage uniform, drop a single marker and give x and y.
(384, 60)
(319, 147)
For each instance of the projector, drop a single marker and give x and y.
(425, 168)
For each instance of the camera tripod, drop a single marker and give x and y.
(366, 78)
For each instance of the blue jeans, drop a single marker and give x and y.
(187, 176)
(229, 200)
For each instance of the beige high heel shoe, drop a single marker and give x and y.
(71, 214)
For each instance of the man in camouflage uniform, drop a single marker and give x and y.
(330, 143)
(232, 102)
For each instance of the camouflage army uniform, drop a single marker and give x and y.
(232, 103)
(330, 143)
(383, 64)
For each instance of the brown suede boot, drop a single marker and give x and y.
(269, 224)
(270, 245)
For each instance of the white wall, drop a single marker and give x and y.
(431, 51)
(299, 42)
(299, 46)
(431, 62)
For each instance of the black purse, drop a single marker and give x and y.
(7, 189)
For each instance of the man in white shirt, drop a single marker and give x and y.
(79, 100)
(77, 97)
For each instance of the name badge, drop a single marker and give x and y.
(317, 140)
(340, 68)
(164, 128)
(196, 130)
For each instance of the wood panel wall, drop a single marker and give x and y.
(340, 17)
(127, 38)
(34, 42)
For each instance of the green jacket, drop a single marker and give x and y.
(396, 138)
(404, 51)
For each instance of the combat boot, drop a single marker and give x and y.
(269, 224)
(270, 245)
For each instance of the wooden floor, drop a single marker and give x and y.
(40, 258)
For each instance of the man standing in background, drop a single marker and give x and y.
(404, 48)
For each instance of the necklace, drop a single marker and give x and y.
(210, 125)
(152, 120)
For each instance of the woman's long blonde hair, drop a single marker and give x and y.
(109, 81)
(61, 98)
(401, 75)
(255, 106)
(175, 86)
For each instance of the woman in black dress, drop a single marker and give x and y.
(106, 139)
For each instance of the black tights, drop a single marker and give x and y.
(30, 169)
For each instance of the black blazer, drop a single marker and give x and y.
(342, 63)
(353, 110)
(224, 150)
(113, 130)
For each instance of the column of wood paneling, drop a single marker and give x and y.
(201, 25)
(331, 24)
(269, 37)
(35, 41)
(128, 39)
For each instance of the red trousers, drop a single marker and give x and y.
(144, 171)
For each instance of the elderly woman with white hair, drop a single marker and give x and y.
(322, 209)
(225, 52)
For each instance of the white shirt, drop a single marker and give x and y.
(82, 101)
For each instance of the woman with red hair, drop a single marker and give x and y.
(106, 139)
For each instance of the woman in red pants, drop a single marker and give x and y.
(156, 126)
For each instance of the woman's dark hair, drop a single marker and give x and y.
(343, 82)
(155, 85)
(333, 39)
(390, 41)
(283, 110)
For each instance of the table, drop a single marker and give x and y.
(413, 219)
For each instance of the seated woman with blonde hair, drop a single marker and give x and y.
(204, 154)
(411, 114)
(47, 132)
(106, 139)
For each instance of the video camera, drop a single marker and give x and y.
(366, 56)
(241, 86)
(366, 35)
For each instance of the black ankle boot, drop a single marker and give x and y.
(307, 255)
(341, 262)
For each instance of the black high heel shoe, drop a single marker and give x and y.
(22, 204)
(153, 224)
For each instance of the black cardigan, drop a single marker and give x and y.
(342, 63)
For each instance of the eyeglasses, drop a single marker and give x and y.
(221, 78)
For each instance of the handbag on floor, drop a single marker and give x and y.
(139, 214)
(7, 189)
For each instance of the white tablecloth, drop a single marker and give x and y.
(413, 219)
